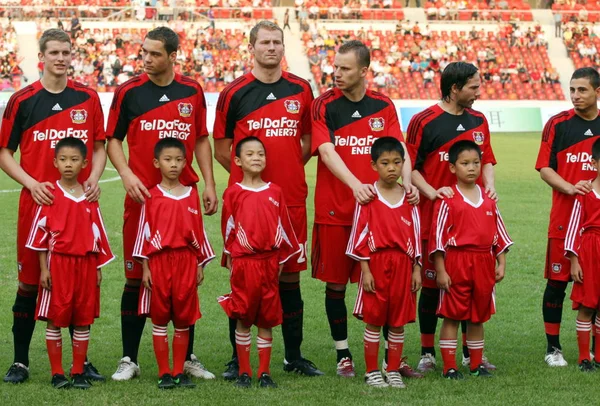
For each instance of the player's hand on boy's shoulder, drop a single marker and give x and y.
(46, 279)
(41, 192)
(210, 201)
(490, 191)
(443, 280)
(416, 283)
(363, 193)
(200, 276)
(576, 272)
(134, 187)
(582, 187)
(92, 190)
(412, 193)
(444, 192)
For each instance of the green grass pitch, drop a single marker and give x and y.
(514, 337)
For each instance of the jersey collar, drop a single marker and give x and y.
(470, 203)
(260, 189)
(170, 196)
(70, 196)
(388, 204)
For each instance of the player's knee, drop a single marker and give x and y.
(81, 328)
(397, 330)
(585, 313)
(134, 282)
(557, 286)
(27, 287)
(289, 277)
(338, 287)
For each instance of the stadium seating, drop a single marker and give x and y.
(582, 44)
(11, 74)
(341, 9)
(501, 10)
(582, 12)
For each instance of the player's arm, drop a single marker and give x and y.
(501, 267)
(132, 184)
(411, 190)
(306, 152)
(556, 182)
(489, 180)
(443, 279)
(91, 187)
(45, 278)
(40, 191)
(146, 275)
(223, 152)
(367, 277)
(429, 191)
(204, 158)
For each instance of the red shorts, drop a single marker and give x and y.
(428, 273)
(254, 297)
(392, 304)
(587, 294)
(174, 294)
(73, 299)
(329, 260)
(28, 261)
(472, 293)
(298, 262)
(558, 267)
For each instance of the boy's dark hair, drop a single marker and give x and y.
(596, 150)
(238, 147)
(168, 143)
(461, 146)
(456, 73)
(363, 55)
(167, 36)
(71, 142)
(590, 74)
(386, 144)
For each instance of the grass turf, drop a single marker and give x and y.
(515, 339)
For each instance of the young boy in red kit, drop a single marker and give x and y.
(582, 247)
(386, 239)
(174, 249)
(258, 240)
(468, 237)
(70, 237)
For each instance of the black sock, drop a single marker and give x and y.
(463, 329)
(293, 314)
(554, 296)
(71, 330)
(335, 307)
(132, 325)
(190, 349)
(23, 324)
(232, 326)
(386, 331)
(428, 304)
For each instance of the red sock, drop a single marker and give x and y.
(181, 338)
(81, 340)
(160, 339)
(54, 347)
(242, 344)
(395, 346)
(475, 353)
(448, 350)
(427, 340)
(264, 354)
(552, 329)
(583, 339)
(597, 345)
(371, 340)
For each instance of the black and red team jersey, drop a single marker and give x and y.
(35, 120)
(147, 113)
(352, 127)
(276, 113)
(567, 148)
(430, 135)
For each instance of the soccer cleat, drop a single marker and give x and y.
(555, 358)
(80, 382)
(243, 381)
(466, 361)
(407, 372)
(265, 381)
(427, 363)
(17, 373)
(126, 370)
(166, 382)
(232, 371)
(394, 379)
(587, 366)
(345, 368)
(481, 372)
(195, 368)
(183, 381)
(453, 374)
(302, 366)
(91, 373)
(375, 379)
(60, 381)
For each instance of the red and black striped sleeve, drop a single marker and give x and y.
(118, 118)
(545, 157)
(12, 125)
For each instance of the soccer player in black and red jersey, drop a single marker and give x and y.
(564, 163)
(273, 106)
(35, 119)
(430, 135)
(155, 105)
(346, 121)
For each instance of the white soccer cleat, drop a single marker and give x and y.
(375, 380)
(195, 368)
(394, 379)
(555, 359)
(126, 370)
(427, 363)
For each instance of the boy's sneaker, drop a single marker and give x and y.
(481, 371)
(166, 382)
(427, 363)
(17, 373)
(195, 368)
(407, 371)
(232, 371)
(345, 368)
(183, 381)
(375, 379)
(394, 379)
(587, 366)
(453, 374)
(91, 373)
(80, 382)
(126, 370)
(60, 381)
(302, 366)
(555, 358)
(265, 381)
(466, 361)
(243, 381)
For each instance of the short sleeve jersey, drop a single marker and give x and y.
(256, 222)
(380, 225)
(352, 127)
(585, 217)
(276, 113)
(70, 226)
(147, 113)
(567, 148)
(172, 222)
(430, 135)
(35, 120)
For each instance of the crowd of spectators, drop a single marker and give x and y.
(11, 74)
(582, 42)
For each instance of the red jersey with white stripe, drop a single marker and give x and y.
(379, 225)
(352, 127)
(147, 113)
(35, 120)
(70, 226)
(276, 113)
(430, 135)
(585, 217)
(172, 222)
(460, 223)
(566, 147)
(256, 221)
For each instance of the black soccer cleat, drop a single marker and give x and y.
(17, 373)
(453, 374)
(184, 381)
(587, 366)
(302, 366)
(243, 381)
(60, 381)
(91, 373)
(232, 371)
(481, 372)
(265, 381)
(80, 382)
(166, 382)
